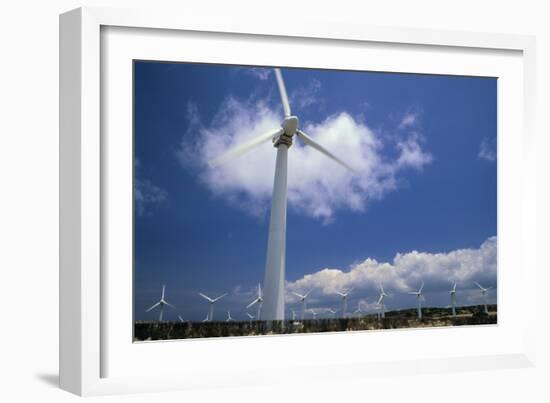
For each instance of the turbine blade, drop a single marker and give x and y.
(153, 307)
(282, 91)
(220, 297)
(298, 295)
(421, 287)
(252, 303)
(170, 305)
(309, 292)
(259, 291)
(205, 297)
(163, 288)
(243, 148)
(339, 293)
(476, 283)
(310, 142)
(380, 299)
(412, 293)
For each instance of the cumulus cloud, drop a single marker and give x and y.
(487, 150)
(317, 186)
(405, 273)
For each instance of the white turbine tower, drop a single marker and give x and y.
(303, 301)
(344, 296)
(381, 301)
(211, 304)
(274, 278)
(229, 318)
(161, 303)
(419, 297)
(259, 300)
(452, 293)
(483, 296)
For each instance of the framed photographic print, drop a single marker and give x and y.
(233, 190)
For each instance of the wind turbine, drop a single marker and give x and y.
(258, 301)
(161, 303)
(344, 296)
(293, 312)
(358, 311)
(229, 318)
(332, 312)
(483, 296)
(211, 302)
(381, 301)
(303, 301)
(314, 314)
(274, 277)
(419, 297)
(452, 293)
(250, 316)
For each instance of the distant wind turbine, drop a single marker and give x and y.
(211, 306)
(303, 301)
(161, 303)
(344, 295)
(259, 300)
(274, 278)
(381, 301)
(293, 312)
(229, 318)
(419, 297)
(452, 293)
(483, 296)
(358, 311)
(314, 313)
(250, 316)
(332, 312)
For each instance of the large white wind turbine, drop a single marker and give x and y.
(381, 301)
(274, 278)
(344, 295)
(303, 301)
(452, 293)
(419, 297)
(259, 300)
(161, 303)
(211, 302)
(483, 296)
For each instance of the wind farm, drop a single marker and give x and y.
(272, 201)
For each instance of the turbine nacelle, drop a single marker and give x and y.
(290, 125)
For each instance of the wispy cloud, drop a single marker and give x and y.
(487, 150)
(261, 73)
(307, 95)
(317, 187)
(146, 194)
(408, 120)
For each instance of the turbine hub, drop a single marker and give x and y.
(289, 125)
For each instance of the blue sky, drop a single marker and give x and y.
(423, 207)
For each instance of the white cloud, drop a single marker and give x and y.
(261, 73)
(146, 195)
(487, 150)
(307, 95)
(406, 272)
(409, 119)
(317, 186)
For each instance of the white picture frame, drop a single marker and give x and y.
(83, 295)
